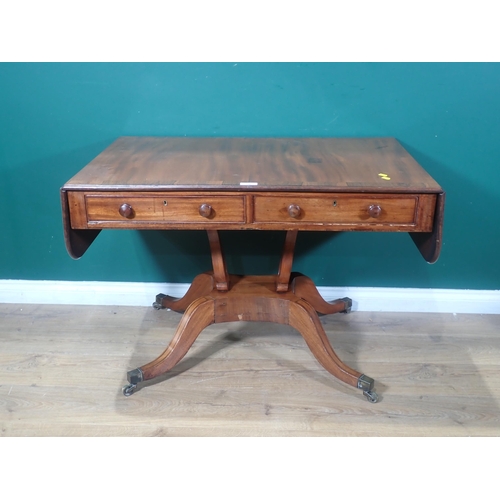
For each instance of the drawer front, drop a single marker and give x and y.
(134, 209)
(265, 210)
(346, 209)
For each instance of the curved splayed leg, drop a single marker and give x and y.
(304, 288)
(197, 317)
(202, 285)
(304, 318)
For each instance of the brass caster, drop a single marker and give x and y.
(134, 377)
(348, 305)
(372, 396)
(366, 383)
(129, 389)
(157, 303)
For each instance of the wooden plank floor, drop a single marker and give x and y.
(62, 369)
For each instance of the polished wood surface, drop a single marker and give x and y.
(286, 262)
(221, 276)
(429, 243)
(252, 298)
(304, 288)
(77, 241)
(156, 208)
(319, 184)
(201, 286)
(305, 184)
(217, 210)
(347, 211)
(62, 368)
(282, 164)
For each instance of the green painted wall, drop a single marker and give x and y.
(54, 118)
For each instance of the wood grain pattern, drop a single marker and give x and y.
(250, 298)
(328, 212)
(77, 241)
(221, 276)
(286, 262)
(304, 319)
(149, 207)
(429, 244)
(349, 210)
(331, 184)
(202, 285)
(198, 316)
(143, 180)
(62, 369)
(310, 164)
(304, 288)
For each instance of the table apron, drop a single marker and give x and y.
(386, 212)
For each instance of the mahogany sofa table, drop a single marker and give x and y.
(288, 184)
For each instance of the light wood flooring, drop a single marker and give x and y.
(62, 369)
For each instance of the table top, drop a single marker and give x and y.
(306, 184)
(256, 164)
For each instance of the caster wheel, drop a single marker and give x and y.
(129, 389)
(157, 304)
(348, 305)
(372, 396)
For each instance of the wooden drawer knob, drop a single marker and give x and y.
(126, 210)
(205, 210)
(374, 210)
(294, 211)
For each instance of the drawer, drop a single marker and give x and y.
(117, 209)
(347, 209)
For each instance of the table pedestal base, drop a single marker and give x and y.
(252, 298)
